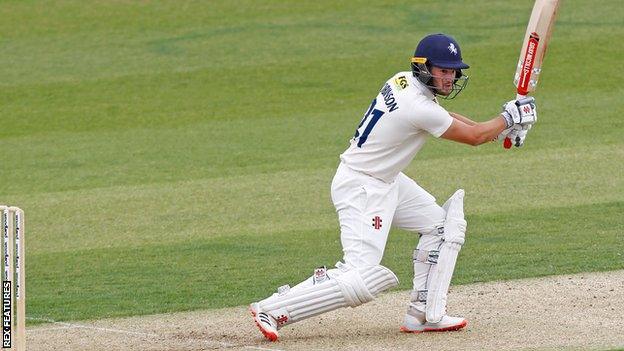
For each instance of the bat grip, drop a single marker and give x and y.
(507, 143)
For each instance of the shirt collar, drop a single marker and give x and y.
(423, 88)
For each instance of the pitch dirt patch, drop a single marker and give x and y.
(583, 311)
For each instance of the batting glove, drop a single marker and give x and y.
(522, 112)
(518, 134)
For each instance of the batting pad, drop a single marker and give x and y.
(345, 287)
(454, 237)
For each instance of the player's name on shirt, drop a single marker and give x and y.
(391, 103)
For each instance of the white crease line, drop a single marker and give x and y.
(65, 325)
(71, 325)
(47, 329)
(121, 331)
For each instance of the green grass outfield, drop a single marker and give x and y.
(177, 155)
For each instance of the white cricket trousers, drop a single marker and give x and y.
(367, 207)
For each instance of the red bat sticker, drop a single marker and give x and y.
(527, 65)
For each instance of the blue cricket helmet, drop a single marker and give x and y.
(441, 50)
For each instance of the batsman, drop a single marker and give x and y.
(371, 194)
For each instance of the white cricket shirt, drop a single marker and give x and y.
(395, 126)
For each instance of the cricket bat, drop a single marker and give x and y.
(533, 49)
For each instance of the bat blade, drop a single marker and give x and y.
(534, 46)
(533, 50)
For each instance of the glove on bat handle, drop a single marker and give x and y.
(507, 142)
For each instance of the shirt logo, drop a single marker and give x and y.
(377, 222)
(401, 82)
(452, 48)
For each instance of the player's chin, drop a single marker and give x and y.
(444, 92)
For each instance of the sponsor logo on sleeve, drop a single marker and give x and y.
(401, 82)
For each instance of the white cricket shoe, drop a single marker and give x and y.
(415, 322)
(266, 323)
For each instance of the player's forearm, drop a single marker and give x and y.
(464, 119)
(486, 131)
(482, 131)
(476, 134)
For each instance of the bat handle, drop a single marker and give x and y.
(507, 142)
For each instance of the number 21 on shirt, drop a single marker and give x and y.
(368, 123)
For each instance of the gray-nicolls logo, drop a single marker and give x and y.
(452, 48)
